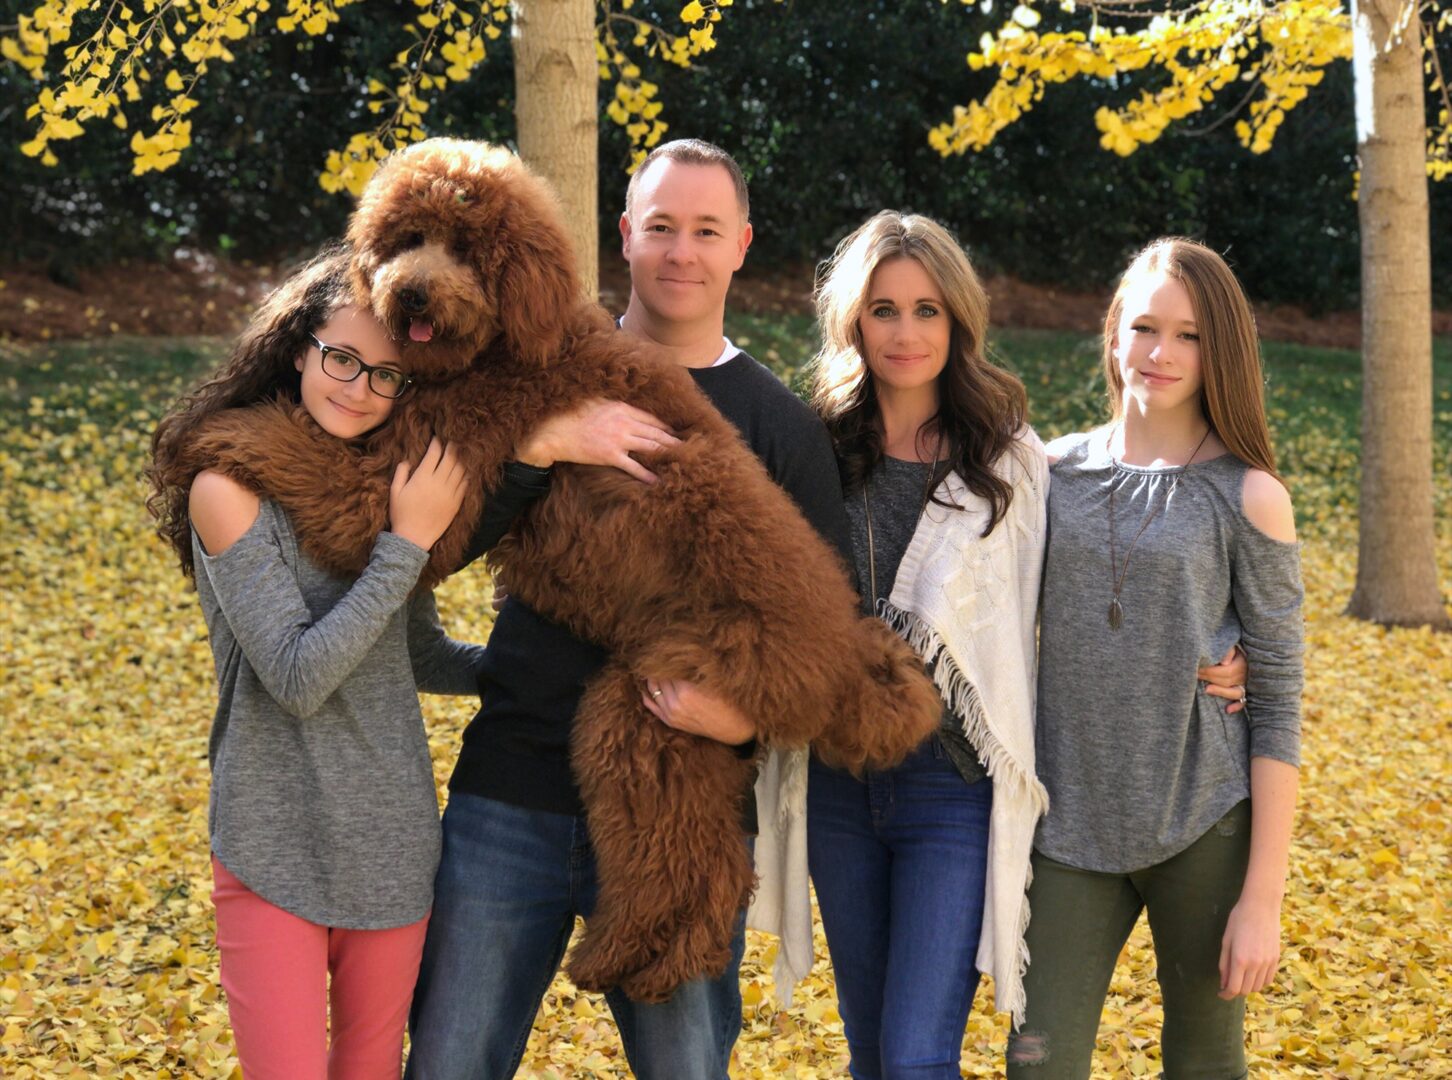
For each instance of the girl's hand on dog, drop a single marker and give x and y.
(598, 433)
(423, 501)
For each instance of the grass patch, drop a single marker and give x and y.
(1313, 400)
(1313, 394)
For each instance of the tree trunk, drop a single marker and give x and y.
(557, 109)
(1396, 573)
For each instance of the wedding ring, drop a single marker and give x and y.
(656, 694)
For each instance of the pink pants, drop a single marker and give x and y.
(275, 969)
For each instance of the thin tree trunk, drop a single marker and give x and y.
(556, 105)
(1396, 573)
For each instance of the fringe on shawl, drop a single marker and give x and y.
(791, 808)
(961, 696)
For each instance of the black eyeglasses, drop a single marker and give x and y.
(342, 365)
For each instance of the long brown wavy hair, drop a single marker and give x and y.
(1233, 381)
(260, 368)
(981, 407)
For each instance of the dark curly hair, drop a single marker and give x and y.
(260, 368)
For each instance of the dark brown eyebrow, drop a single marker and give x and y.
(919, 300)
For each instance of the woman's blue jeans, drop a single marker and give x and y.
(899, 861)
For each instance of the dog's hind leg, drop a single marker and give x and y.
(699, 946)
(664, 810)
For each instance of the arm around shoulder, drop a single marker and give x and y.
(221, 510)
(1267, 505)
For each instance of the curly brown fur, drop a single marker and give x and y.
(711, 574)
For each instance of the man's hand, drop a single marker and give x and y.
(598, 433)
(1227, 678)
(686, 707)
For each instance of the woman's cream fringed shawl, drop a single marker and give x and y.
(968, 606)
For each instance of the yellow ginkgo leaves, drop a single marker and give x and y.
(1277, 49)
(93, 61)
(107, 961)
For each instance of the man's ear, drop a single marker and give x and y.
(625, 232)
(746, 235)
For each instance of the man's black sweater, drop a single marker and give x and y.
(516, 749)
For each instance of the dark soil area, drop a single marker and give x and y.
(201, 294)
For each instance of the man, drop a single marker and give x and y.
(517, 865)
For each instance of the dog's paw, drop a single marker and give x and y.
(592, 967)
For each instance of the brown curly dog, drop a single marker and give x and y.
(710, 575)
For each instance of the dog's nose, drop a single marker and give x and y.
(414, 301)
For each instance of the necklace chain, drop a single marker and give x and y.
(1117, 572)
(871, 547)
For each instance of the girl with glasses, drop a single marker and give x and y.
(323, 818)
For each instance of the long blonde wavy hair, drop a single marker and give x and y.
(981, 407)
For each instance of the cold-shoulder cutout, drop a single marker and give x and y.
(1267, 505)
(221, 510)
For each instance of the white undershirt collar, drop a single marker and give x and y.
(728, 352)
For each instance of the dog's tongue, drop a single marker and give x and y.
(419, 330)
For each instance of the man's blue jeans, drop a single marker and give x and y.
(899, 862)
(509, 886)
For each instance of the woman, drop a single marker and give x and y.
(944, 485)
(323, 820)
(1171, 536)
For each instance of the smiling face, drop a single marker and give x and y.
(348, 409)
(1156, 344)
(684, 236)
(905, 328)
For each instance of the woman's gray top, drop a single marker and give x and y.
(1138, 759)
(322, 797)
(896, 493)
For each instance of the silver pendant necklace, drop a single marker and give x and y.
(867, 513)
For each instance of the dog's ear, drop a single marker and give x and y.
(538, 283)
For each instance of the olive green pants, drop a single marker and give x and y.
(1080, 921)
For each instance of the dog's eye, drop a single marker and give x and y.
(413, 240)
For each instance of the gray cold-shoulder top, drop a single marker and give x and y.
(1138, 760)
(322, 797)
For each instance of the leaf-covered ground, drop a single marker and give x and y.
(107, 966)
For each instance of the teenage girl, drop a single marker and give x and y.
(323, 819)
(1170, 537)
